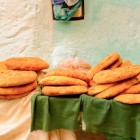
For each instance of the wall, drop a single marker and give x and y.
(109, 25)
(27, 29)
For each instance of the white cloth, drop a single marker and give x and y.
(15, 120)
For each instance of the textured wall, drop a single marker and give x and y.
(27, 29)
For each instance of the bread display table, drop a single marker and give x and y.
(116, 120)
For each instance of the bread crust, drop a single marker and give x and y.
(135, 89)
(3, 66)
(117, 74)
(103, 64)
(10, 97)
(18, 89)
(10, 78)
(63, 90)
(68, 73)
(118, 88)
(93, 90)
(116, 64)
(62, 80)
(128, 98)
(126, 63)
(26, 63)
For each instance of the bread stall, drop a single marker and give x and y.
(74, 79)
(100, 107)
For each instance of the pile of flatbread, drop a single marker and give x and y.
(19, 76)
(64, 82)
(113, 78)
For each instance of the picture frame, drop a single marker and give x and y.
(79, 14)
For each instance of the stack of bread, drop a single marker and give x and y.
(64, 82)
(68, 78)
(113, 78)
(19, 76)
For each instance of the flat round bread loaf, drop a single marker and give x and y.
(63, 90)
(117, 74)
(69, 73)
(119, 88)
(103, 64)
(61, 80)
(128, 98)
(135, 89)
(10, 78)
(93, 90)
(116, 64)
(18, 89)
(10, 97)
(26, 63)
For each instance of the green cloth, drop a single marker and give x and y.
(112, 117)
(50, 113)
(116, 120)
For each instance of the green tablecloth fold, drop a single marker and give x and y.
(50, 113)
(112, 117)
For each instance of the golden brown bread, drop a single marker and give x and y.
(126, 63)
(61, 80)
(69, 73)
(128, 98)
(63, 90)
(120, 87)
(116, 64)
(26, 63)
(10, 78)
(117, 74)
(10, 97)
(3, 66)
(106, 62)
(135, 89)
(92, 83)
(18, 89)
(93, 90)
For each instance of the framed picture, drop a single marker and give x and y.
(64, 12)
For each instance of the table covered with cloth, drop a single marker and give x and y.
(116, 120)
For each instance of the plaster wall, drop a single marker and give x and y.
(27, 29)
